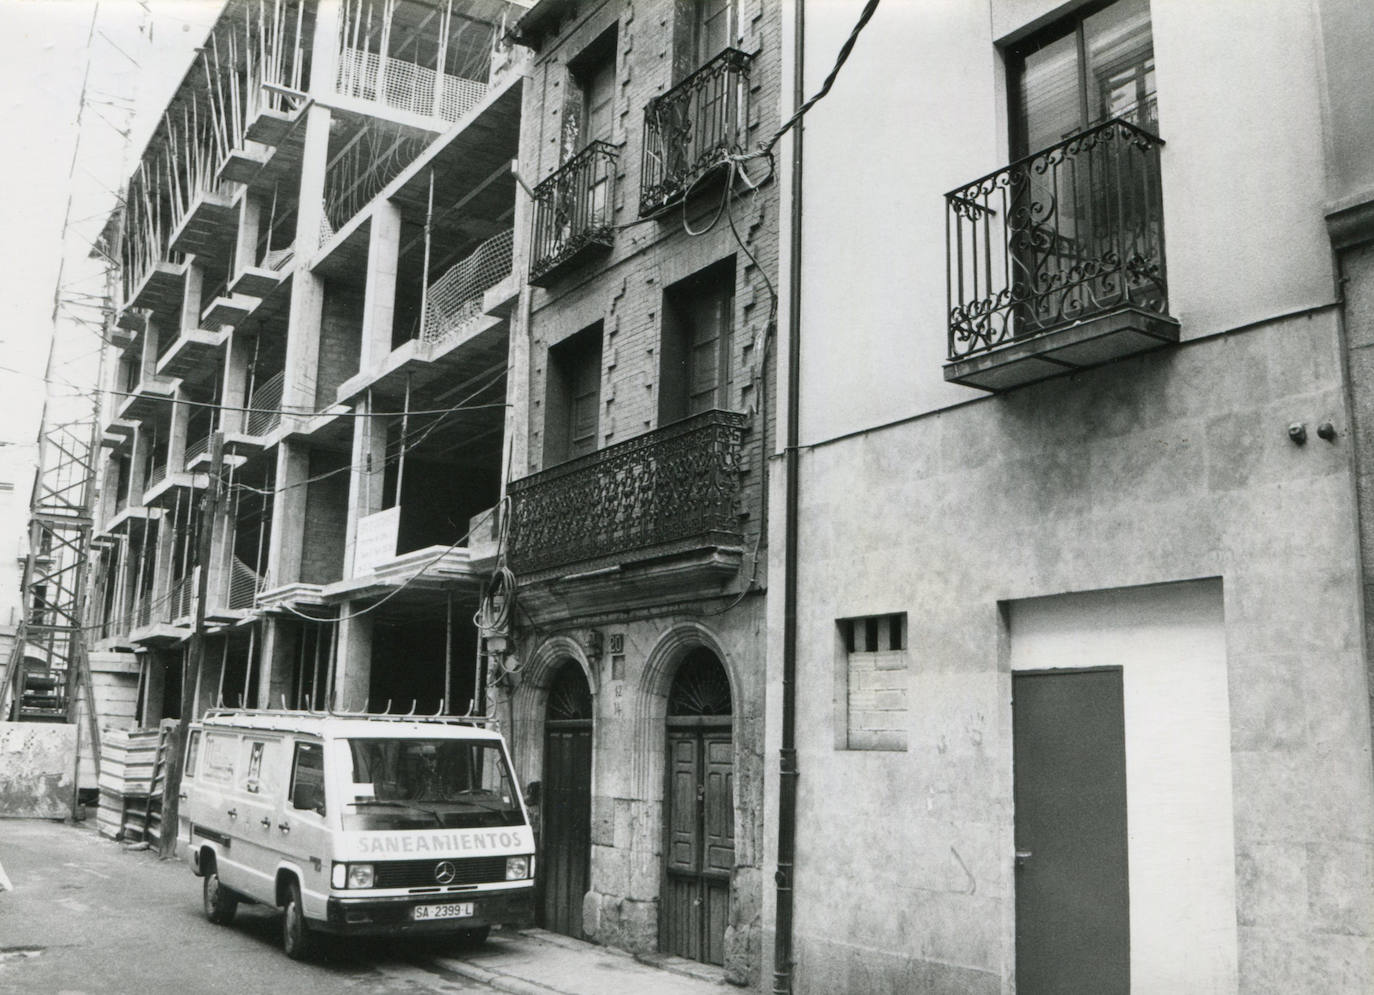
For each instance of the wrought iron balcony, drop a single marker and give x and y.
(1056, 261)
(572, 213)
(692, 127)
(671, 488)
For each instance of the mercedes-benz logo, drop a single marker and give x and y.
(445, 872)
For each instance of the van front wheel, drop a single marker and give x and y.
(220, 902)
(295, 935)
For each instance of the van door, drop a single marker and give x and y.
(260, 785)
(302, 829)
(213, 802)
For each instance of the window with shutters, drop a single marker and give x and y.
(712, 28)
(589, 110)
(698, 342)
(572, 413)
(1082, 71)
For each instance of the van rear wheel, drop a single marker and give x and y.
(295, 934)
(220, 902)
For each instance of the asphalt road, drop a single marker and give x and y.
(87, 916)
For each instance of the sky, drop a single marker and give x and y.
(136, 53)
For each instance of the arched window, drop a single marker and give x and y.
(700, 687)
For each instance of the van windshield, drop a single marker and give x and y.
(428, 784)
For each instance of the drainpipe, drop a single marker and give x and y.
(787, 752)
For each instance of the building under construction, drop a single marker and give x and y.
(314, 257)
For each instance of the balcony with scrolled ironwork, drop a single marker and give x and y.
(693, 128)
(573, 213)
(1056, 262)
(665, 493)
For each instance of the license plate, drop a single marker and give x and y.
(456, 910)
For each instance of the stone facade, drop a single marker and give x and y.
(655, 610)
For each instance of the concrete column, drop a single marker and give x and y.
(324, 55)
(190, 300)
(276, 662)
(154, 681)
(221, 555)
(250, 230)
(176, 434)
(210, 666)
(307, 289)
(353, 667)
(379, 290)
(148, 359)
(162, 564)
(288, 514)
(138, 463)
(234, 396)
(365, 477)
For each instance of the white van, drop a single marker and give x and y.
(356, 824)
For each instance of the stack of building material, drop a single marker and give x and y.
(131, 770)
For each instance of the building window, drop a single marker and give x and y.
(871, 683)
(1082, 71)
(698, 339)
(589, 110)
(713, 24)
(574, 396)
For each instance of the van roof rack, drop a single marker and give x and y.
(478, 721)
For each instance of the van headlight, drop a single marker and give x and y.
(517, 868)
(351, 876)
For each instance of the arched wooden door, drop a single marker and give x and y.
(699, 812)
(565, 840)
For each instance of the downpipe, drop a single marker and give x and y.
(787, 752)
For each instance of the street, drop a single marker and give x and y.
(87, 915)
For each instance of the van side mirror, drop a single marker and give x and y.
(532, 793)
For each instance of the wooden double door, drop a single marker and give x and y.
(700, 855)
(564, 874)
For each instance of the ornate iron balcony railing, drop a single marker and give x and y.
(572, 210)
(1073, 231)
(677, 483)
(692, 127)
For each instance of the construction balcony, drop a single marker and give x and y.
(573, 211)
(692, 129)
(160, 291)
(192, 355)
(1055, 263)
(461, 180)
(463, 327)
(163, 620)
(208, 228)
(152, 395)
(666, 503)
(398, 88)
(262, 280)
(260, 423)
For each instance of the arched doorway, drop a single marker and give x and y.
(699, 816)
(566, 803)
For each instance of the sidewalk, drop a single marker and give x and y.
(537, 962)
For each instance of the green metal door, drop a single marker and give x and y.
(1072, 896)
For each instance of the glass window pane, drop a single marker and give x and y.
(1050, 106)
(1120, 53)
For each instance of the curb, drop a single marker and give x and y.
(519, 986)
